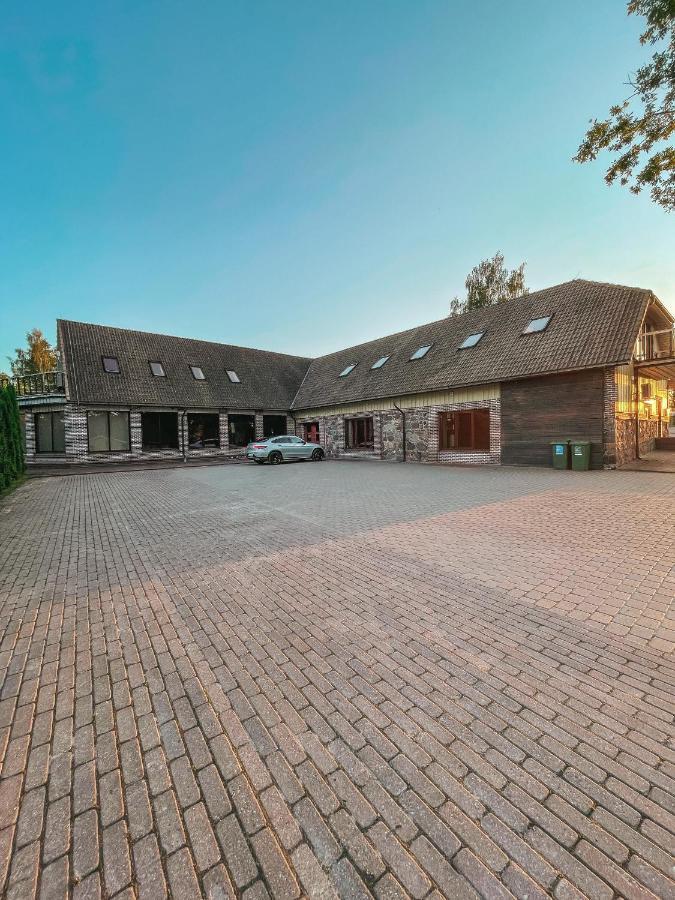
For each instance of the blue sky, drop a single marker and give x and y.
(302, 176)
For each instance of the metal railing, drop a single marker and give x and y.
(40, 383)
(653, 345)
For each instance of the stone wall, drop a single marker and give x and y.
(421, 434)
(625, 438)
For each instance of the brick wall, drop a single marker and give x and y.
(421, 434)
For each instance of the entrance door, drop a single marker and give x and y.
(312, 432)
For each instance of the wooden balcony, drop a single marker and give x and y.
(655, 354)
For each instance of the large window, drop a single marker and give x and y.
(160, 430)
(359, 434)
(467, 429)
(203, 430)
(241, 430)
(274, 425)
(108, 431)
(50, 432)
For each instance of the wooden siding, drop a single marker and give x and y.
(536, 411)
(408, 401)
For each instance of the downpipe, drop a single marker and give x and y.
(403, 431)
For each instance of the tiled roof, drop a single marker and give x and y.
(593, 324)
(268, 380)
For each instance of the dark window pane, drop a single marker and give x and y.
(241, 430)
(203, 430)
(43, 433)
(160, 430)
(59, 432)
(359, 434)
(273, 425)
(481, 429)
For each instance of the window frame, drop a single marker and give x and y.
(198, 369)
(236, 379)
(479, 335)
(36, 432)
(117, 371)
(156, 362)
(415, 357)
(348, 370)
(250, 417)
(547, 321)
(154, 449)
(194, 415)
(351, 425)
(108, 413)
(445, 416)
(383, 360)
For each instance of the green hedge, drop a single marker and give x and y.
(12, 462)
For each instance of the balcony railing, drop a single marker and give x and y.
(654, 345)
(39, 384)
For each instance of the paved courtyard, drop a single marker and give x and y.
(338, 679)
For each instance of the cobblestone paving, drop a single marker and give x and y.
(346, 679)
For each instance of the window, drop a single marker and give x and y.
(381, 361)
(197, 373)
(50, 432)
(241, 429)
(359, 434)
(111, 365)
(311, 432)
(464, 430)
(160, 430)
(157, 369)
(108, 431)
(471, 340)
(347, 370)
(234, 378)
(535, 325)
(420, 352)
(274, 425)
(203, 430)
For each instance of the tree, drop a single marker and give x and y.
(12, 463)
(641, 128)
(39, 356)
(488, 283)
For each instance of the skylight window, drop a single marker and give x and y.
(234, 378)
(421, 351)
(111, 365)
(471, 340)
(197, 373)
(381, 361)
(346, 371)
(535, 325)
(157, 369)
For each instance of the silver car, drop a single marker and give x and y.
(284, 448)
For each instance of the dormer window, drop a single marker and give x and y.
(380, 362)
(111, 365)
(346, 371)
(471, 340)
(157, 369)
(535, 325)
(234, 378)
(420, 352)
(197, 373)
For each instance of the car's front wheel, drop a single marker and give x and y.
(317, 456)
(275, 458)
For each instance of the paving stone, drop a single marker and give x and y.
(414, 691)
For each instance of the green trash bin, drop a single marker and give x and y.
(560, 454)
(581, 455)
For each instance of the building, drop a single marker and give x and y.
(581, 360)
